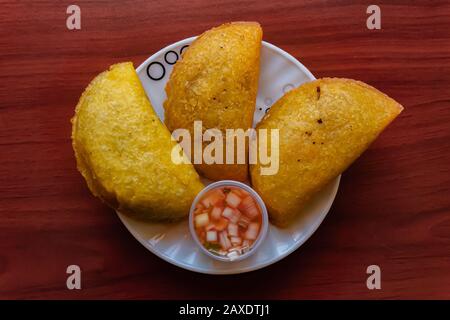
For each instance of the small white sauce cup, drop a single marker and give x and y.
(264, 224)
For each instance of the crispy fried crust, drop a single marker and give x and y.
(324, 126)
(124, 151)
(216, 82)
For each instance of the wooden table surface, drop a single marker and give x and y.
(392, 207)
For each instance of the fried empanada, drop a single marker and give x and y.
(324, 126)
(124, 151)
(216, 81)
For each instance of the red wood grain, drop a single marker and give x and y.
(393, 205)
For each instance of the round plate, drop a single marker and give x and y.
(279, 73)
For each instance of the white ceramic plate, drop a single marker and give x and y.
(279, 73)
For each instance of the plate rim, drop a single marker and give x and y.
(264, 43)
(238, 270)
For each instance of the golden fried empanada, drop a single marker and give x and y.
(216, 81)
(124, 151)
(324, 125)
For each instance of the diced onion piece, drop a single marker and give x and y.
(232, 255)
(201, 220)
(252, 212)
(229, 214)
(233, 199)
(235, 241)
(233, 230)
(248, 206)
(221, 224)
(232, 214)
(212, 198)
(252, 231)
(241, 193)
(211, 236)
(216, 212)
(246, 202)
(224, 241)
(243, 221)
(237, 214)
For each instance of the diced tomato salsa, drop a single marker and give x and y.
(227, 221)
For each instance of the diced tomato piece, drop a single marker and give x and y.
(233, 200)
